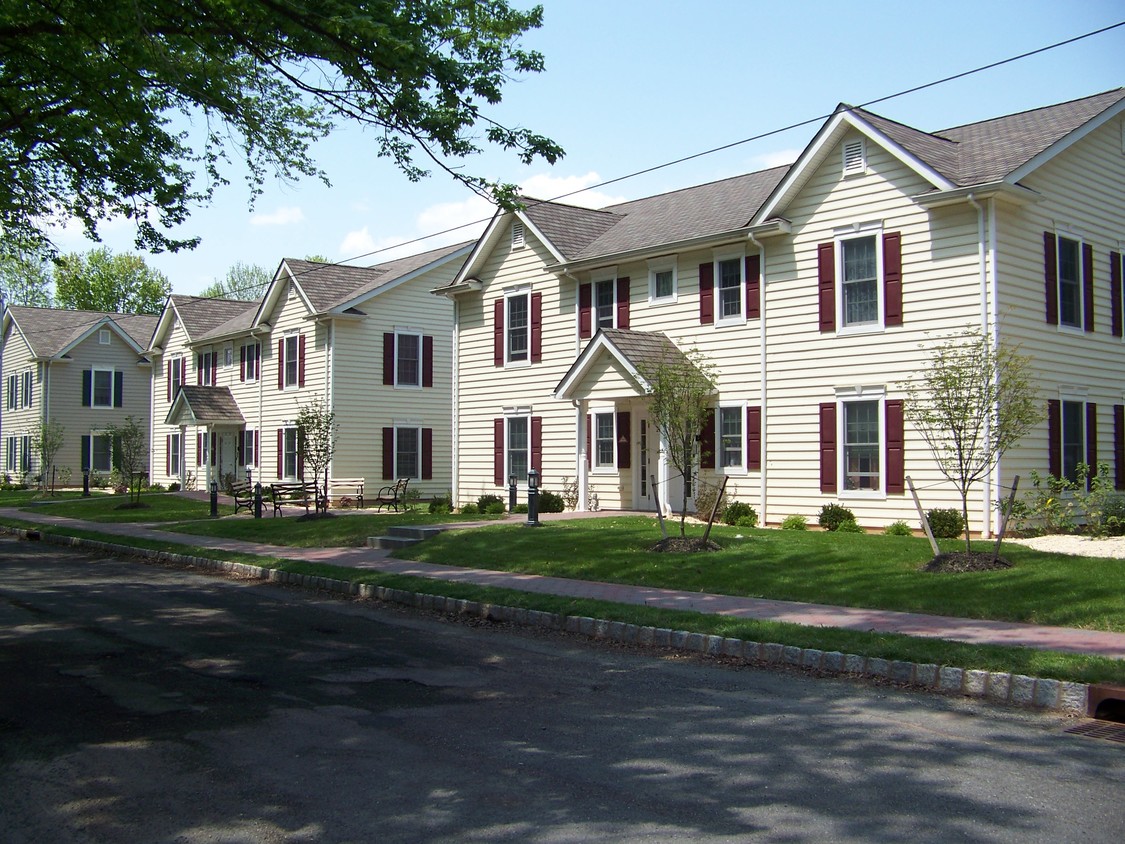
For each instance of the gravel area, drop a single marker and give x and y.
(1083, 546)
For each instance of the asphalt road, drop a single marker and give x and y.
(147, 704)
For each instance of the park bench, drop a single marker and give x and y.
(393, 495)
(297, 493)
(345, 491)
(243, 494)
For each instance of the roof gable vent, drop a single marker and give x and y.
(517, 235)
(855, 157)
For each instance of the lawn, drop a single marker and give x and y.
(158, 507)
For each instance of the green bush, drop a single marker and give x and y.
(470, 509)
(795, 522)
(549, 502)
(174, 486)
(442, 504)
(848, 526)
(705, 494)
(487, 500)
(1113, 516)
(946, 523)
(737, 512)
(520, 508)
(899, 528)
(831, 515)
(494, 508)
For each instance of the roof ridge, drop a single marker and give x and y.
(571, 205)
(1026, 111)
(702, 185)
(877, 115)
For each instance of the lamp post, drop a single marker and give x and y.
(532, 498)
(214, 499)
(511, 493)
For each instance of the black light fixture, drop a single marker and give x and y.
(532, 497)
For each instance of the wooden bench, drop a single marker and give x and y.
(345, 489)
(243, 495)
(292, 493)
(393, 495)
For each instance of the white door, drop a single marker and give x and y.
(645, 465)
(228, 457)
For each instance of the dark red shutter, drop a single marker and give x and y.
(257, 443)
(240, 457)
(1092, 437)
(281, 366)
(1054, 437)
(536, 327)
(1115, 293)
(892, 279)
(754, 438)
(896, 447)
(707, 442)
(826, 292)
(427, 360)
(388, 358)
(241, 363)
(753, 286)
(623, 302)
(498, 451)
(706, 294)
(1051, 278)
(624, 439)
(585, 297)
(388, 454)
(280, 452)
(183, 370)
(198, 448)
(498, 332)
(828, 446)
(1119, 445)
(1088, 287)
(537, 446)
(427, 454)
(199, 369)
(168, 377)
(301, 362)
(168, 454)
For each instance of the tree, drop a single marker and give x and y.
(25, 280)
(317, 430)
(973, 401)
(242, 281)
(681, 385)
(134, 109)
(101, 281)
(130, 449)
(46, 440)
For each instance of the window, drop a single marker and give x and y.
(859, 281)
(103, 337)
(25, 453)
(25, 397)
(289, 453)
(730, 437)
(13, 392)
(175, 376)
(518, 447)
(1070, 282)
(101, 387)
(205, 369)
(408, 445)
(604, 305)
(861, 445)
(248, 448)
(203, 443)
(516, 327)
(408, 362)
(249, 359)
(729, 285)
(228, 356)
(662, 282)
(605, 440)
(11, 458)
(175, 455)
(101, 453)
(855, 157)
(291, 362)
(1073, 437)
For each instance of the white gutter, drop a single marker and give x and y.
(330, 381)
(762, 486)
(456, 399)
(982, 258)
(994, 284)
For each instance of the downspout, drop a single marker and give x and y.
(994, 287)
(986, 518)
(761, 376)
(455, 397)
(330, 381)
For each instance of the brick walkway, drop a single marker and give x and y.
(973, 631)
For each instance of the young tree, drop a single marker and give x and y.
(681, 385)
(130, 450)
(242, 281)
(132, 110)
(46, 440)
(25, 280)
(317, 430)
(973, 401)
(101, 281)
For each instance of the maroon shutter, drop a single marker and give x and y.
(1092, 437)
(624, 439)
(892, 279)
(183, 370)
(498, 332)
(706, 294)
(1119, 445)
(388, 358)
(537, 446)
(427, 360)
(1088, 287)
(198, 448)
(1051, 277)
(498, 451)
(828, 446)
(585, 297)
(388, 454)
(281, 366)
(214, 446)
(301, 362)
(623, 302)
(896, 447)
(199, 369)
(754, 438)
(589, 437)
(168, 454)
(240, 457)
(241, 363)
(826, 293)
(1115, 293)
(280, 452)
(427, 454)
(707, 442)
(753, 286)
(168, 376)
(1054, 437)
(536, 327)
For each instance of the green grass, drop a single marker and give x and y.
(855, 570)
(23, 497)
(158, 507)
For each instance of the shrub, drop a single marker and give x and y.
(549, 502)
(442, 504)
(795, 522)
(494, 508)
(705, 499)
(741, 514)
(899, 528)
(848, 526)
(831, 515)
(155, 488)
(470, 509)
(570, 493)
(1113, 516)
(174, 486)
(520, 508)
(946, 523)
(487, 500)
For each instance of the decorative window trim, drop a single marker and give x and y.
(1065, 233)
(250, 359)
(740, 467)
(292, 359)
(656, 267)
(596, 467)
(840, 237)
(26, 392)
(416, 427)
(290, 432)
(94, 436)
(855, 395)
(524, 292)
(719, 257)
(13, 392)
(94, 370)
(406, 385)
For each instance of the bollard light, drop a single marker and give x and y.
(511, 493)
(214, 499)
(532, 498)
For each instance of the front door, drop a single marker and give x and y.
(228, 457)
(645, 498)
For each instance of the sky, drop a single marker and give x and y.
(633, 84)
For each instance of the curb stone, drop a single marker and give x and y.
(1001, 687)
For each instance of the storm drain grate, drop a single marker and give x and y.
(1108, 730)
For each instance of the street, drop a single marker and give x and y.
(148, 704)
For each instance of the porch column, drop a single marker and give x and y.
(580, 450)
(662, 476)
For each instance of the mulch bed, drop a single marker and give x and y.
(958, 562)
(684, 545)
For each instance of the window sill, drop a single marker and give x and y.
(864, 494)
(730, 322)
(864, 328)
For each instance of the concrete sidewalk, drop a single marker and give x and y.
(1072, 640)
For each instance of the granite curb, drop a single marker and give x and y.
(997, 687)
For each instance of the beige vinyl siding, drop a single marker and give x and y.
(21, 421)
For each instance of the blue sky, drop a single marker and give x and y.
(631, 84)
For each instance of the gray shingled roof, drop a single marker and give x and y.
(645, 351)
(202, 315)
(50, 330)
(569, 228)
(209, 404)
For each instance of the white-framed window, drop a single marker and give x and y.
(517, 327)
(861, 437)
(27, 392)
(25, 453)
(730, 437)
(860, 299)
(408, 361)
(292, 363)
(603, 439)
(101, 452)
(11, 457)
(1072, 419)
(251, 355)
(204, 448)
(605, 303)
(855, 157)
(662, 281)
(175, 455)
(517, 446)
(730, 289)
(103, 337)
(205, 364)
(289, 451)
(101, 389)
(408, 451)
(1069, 257)
(249, 442)
(176, 373)
(13, 392)
(228, 356)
